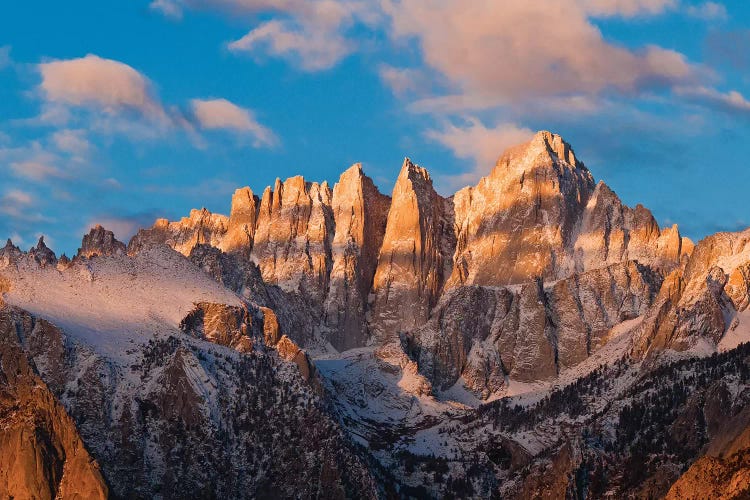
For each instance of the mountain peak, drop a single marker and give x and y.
(100, 241)
(544, 148)
(413, 173)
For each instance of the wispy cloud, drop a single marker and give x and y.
(36, 170)
(71, 141)
(730, 102)
(223, 114)
(168, 8)
(708, 11)
(401, 81)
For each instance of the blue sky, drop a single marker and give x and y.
(123, 111)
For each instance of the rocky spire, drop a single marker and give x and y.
(43, 255)
(360, 213)
(418, 243)
(10, 253)
(242, 219)
(102, 242)
(292, 244)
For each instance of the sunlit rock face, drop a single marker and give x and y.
(539, 213)
(356, 267)
(231, 326)
(242, 221)
(702, 300)
(42, 455)
(102, 242)
(517, 222)
(360, 213)
(611, 232)
(415, 255)
(292, 243)
(200, 227)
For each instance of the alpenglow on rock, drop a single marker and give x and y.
(359, 268)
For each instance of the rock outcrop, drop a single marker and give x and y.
(43, 255)
(200, 227)
(99, 241)
(700, 302)
(611, 232)
(359, 212)
(485, 334)
(9, 254)
(41, 453)
(414, 258)
(231, 326)
(292, 243)
(241, 226)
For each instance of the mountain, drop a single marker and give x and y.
(530, 336)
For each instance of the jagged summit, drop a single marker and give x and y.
(100, 241)
(550, 144)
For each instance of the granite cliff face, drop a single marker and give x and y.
(413, 257)
(359, 213)
(42, 454)
(485, 334)
(364, 269)
(704, 301)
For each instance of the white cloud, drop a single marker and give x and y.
(708, 11)
(91, 81)
(223, 114)
(71, 141)
(313, 35)
(730, 102)
(493, 51)
(474, 141)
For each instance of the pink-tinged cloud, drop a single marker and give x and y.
(312, 50)
(474, 141)
(223, 114)
(626, 8)
(729, 102)
(106, 84)
(506, 53)
(18, 197)
(36, 170)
